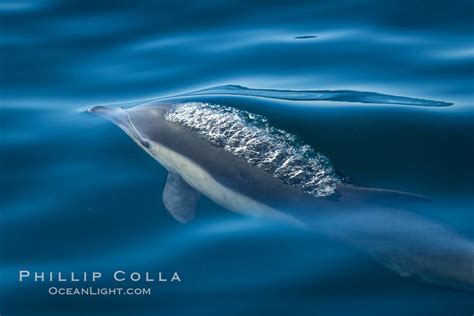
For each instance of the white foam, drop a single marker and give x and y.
(250, 136)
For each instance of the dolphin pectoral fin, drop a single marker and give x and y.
(180, 198)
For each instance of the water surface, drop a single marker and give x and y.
(78, 195)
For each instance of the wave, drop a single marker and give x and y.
(317, 95)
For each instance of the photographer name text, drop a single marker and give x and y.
(117, 276)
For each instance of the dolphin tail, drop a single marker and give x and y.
(404, 242)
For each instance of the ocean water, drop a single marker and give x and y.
(391, 107)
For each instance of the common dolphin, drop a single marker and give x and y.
(236, 159)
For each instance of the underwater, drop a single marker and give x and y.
(264, 157)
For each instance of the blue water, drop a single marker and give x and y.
(78, 195)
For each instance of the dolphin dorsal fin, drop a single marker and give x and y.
(180, 198)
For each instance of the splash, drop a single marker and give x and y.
(250, 137)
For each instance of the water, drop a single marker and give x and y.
(78, 195)
(252, 138)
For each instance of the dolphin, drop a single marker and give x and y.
(236, 159)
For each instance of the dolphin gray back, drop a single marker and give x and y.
(229, 170)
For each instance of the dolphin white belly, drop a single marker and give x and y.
(204, 183)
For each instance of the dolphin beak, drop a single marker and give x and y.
(116, 115)
(119, 117)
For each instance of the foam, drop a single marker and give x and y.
(250, 137)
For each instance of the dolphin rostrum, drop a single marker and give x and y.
(239, 161)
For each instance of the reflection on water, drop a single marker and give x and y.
(78, 195)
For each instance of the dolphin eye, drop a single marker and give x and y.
(144, 143)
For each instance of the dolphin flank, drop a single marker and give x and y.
(239, 161)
